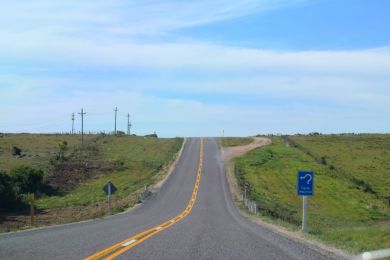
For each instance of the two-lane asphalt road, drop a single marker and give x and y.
(211, 228)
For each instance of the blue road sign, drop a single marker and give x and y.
(305, 183)
(109, 188)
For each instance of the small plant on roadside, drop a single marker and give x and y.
(323, 160)
(63, 147)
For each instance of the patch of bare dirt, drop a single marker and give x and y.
(232, 152)
(69, 174)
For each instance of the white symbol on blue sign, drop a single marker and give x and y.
(305, 183)
(308, 177)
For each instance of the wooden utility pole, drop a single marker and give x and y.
(128, 124)
(72, 123)
(82, 125)
(116, 110)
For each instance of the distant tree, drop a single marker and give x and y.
(26, 179)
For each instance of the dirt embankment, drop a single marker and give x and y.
(231, 152)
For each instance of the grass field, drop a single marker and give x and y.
(129, 162)
(363, 159)
(235, 141)
(38, 149)
(352, 178)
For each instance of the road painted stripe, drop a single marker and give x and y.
(129, 243)
(125, 245)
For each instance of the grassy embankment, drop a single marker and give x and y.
(129, 162)
(350, 207)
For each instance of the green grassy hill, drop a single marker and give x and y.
(76, 179)
(350, 207)
(363, 159)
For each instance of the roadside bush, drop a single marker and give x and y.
(26, 179)
(154, 135)
(63, 147)
(323, 160)
(120, 133)
(7, 194)
(16, 151)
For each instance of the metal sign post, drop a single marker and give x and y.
(305, 181)
(109, 189)
(109, 199)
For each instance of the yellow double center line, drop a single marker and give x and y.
(127, 244)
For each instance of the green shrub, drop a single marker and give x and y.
(323, 160)
(26, 179)
(120, 133)
(16, 151)
(154, 135)
(7, 194)
(63, 147)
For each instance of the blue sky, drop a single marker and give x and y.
(195, 68)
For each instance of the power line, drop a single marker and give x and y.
(82, 126)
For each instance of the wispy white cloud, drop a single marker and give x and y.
(128, 17)
(191, 55)
(53, 54)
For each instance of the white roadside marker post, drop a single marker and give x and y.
(305, 186)
(246, 186)
(109, 199)
(304, 214)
